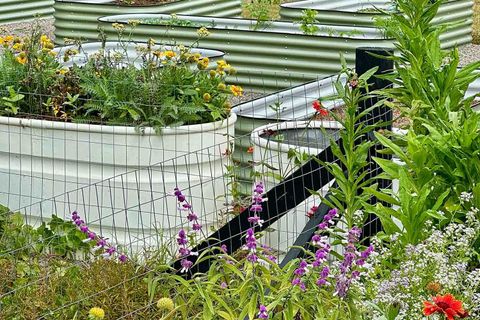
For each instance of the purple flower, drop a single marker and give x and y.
(259, 189)
(101, 242)
(182, 238)
(79, 222)
(323, 226)
(122, 258)
(179, 195)
(186, 265)
(252, 257)
(223, 285)
(196, 226)
(256, 220)
(251, 245)
(256, 208)
(322, 280)
(75, 216)
(184, 252)
(262, 314)
(272, 258)
(84, 229)
(224, 248)
(192, 216)
(111, 250)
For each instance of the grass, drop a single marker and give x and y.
(476, 22)
(274, 10)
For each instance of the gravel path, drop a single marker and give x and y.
(25, 28)
(469, 53)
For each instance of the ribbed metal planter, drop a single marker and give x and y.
(78, 18)
(295, 104)
(362, 13)
(22, 10)
(279, 56)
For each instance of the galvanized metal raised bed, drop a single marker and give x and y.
(22, 10)
(363, 13)
(278, 56)
(78, 18)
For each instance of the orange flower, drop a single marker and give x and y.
(446, 305)
(317, 105)
(236, 90)
(250, 149)
(22, 58)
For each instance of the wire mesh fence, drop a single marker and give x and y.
(119, 183)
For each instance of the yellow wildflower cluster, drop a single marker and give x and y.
(96, 314)
(223, 67)
(165, 304)
(203, 63)
(133, 23)
(69, 53)
(203, 32)
(118, 26)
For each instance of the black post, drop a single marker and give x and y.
(367, 58)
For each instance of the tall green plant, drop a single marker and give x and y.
(428, 84)
(350, 171)
(440, 152)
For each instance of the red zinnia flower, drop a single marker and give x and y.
(446, 305)
(317, 105)
(250, 149)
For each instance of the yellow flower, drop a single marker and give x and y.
(221, 86)
(165, 304)
(203, 32)
(63, 71)
(96, 313)
(22, 58)
(236, 90)
(212, 73)
(134, 23)
(46, 42)
(118, 26)
(17, 47)
(221, 64)
(228, 106)
(8, 38)
(170, 54)
(207, 97)
(203, 63)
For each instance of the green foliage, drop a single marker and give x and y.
(156, 88)
(308, 22)
(440, 151)
(350, 172)
(261, 11)
(428, 84)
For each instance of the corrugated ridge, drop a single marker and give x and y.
(22, 10)
(74, 19)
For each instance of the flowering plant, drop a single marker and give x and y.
(158, 87)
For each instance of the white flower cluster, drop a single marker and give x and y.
(439, 262)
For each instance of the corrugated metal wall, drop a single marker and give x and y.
(349, 12)
(278, 57)
(21, 10)
(78, 18)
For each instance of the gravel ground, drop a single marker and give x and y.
(469, 53)
(25, 28)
